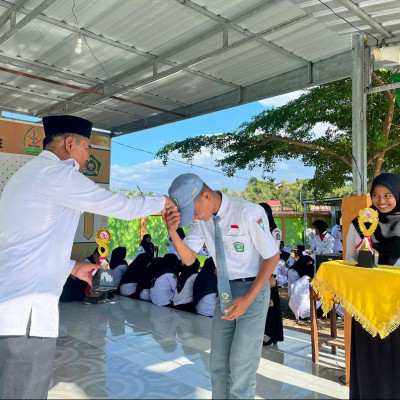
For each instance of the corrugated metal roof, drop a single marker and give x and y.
(151, 62)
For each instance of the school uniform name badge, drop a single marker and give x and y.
(103, 279)
(366, 253)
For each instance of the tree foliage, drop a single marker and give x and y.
(316, 128)
(288, 193)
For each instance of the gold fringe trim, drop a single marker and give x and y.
(328, 296)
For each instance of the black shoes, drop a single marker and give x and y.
(269, 343)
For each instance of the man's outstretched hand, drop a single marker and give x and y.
(82, 270)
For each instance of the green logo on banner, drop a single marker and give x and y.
(32, 142)
(92, 167)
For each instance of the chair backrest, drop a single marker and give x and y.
(321, 258)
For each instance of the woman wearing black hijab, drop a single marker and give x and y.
(163, 289)
(273, 332)
(147, 279)
(205, 289)
(375, 362)
(183, 297)
(118, 264)
(147, 246)
(133, 274)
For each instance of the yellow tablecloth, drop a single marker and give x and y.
(370, 295)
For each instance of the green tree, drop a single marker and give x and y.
(316, 129)
(288, 193)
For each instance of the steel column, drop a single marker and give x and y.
(359, 125)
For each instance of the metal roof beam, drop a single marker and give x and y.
(231, 24)
(8, 14)
(49, 96)
(112, 91)
(365, 17)
(131, 49)
(81, 78)
(327, 70)
(24, 21)
(190, 42)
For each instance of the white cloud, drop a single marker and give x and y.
(281, 100)
(283, 165)
(153, 176)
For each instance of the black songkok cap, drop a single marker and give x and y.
(59, 124)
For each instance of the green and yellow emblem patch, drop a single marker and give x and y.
(239, 247)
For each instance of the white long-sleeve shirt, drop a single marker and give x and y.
(338, 237)
(324, 246)
(353, 239)
(39, 213)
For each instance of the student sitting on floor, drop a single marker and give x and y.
(118, 264)
(163, 290)
(183, 297)
(147, 278)
(205, 292)
(133, 273)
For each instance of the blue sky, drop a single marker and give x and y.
(132, 168)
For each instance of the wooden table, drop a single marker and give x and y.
(369, 294)
(334, 342)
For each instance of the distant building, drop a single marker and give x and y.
(274, 204)
(319, 208)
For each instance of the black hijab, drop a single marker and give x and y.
(205, 282)
(268, 210)
(320, 225)
(185, 272)
(149, 275)
(91, 257)
(304, 266)
(386, 238)
(170, 264)
(118, 257)
(136, 269)
(148, 247)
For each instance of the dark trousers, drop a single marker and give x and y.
(26, 366)
(274, 322)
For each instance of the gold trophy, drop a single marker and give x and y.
(103, 279)
(366, 252)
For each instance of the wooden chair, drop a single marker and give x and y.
(334, 341)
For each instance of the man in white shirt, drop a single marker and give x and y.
(39, 212)
(251, 255)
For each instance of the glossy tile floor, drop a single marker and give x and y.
(133, 349)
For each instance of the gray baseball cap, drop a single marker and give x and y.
(183, 190)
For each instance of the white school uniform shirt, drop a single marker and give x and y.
(164, 289)
(206, 305)
(245, 234)
(324, 246)
(119, 273)
(39, 212)
(337, 236)
(186, 294)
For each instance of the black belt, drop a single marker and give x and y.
(243, 279)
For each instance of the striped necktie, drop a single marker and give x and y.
(224, 288)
